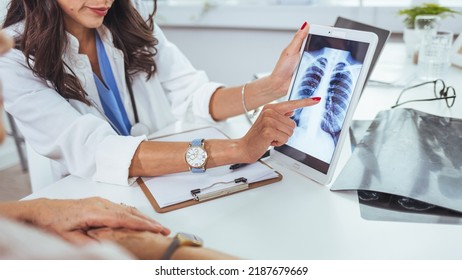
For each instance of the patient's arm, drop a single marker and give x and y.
(150, 246)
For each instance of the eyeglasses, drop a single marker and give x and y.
(440, 90)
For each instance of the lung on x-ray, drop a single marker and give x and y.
(338, 97)
(310, 81)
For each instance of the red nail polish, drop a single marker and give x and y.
(303, 26)
(316, 98)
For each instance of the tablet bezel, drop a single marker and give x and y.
(337, 33)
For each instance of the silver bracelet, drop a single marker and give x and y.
(248, 115)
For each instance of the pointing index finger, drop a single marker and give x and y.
(289, 106)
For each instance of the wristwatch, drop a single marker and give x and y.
(182, 239)
(196, 156)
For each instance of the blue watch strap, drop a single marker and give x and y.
(197, 170)
(197, 143)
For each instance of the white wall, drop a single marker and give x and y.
(3, 4)
(285, 17)
(230, 56)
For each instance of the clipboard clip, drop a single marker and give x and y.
(199, 196)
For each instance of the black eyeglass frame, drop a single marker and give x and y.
(443, 94)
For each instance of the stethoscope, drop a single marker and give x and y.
(137, 128)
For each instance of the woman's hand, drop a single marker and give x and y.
(71, 219)
(282, 73)
(272, 128)
(274, 86)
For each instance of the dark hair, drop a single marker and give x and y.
(44, 22)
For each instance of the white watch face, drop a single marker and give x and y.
(196, 157)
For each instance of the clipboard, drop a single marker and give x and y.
(221, 192)
(191, 202)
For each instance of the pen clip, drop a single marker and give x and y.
(240, 180)
(195, 192)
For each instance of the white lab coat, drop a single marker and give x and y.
(77, 137)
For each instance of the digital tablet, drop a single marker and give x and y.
(333, 65)
(382, 34)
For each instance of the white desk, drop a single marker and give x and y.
(298, 218)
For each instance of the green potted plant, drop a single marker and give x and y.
(425, 9)
(410, 36)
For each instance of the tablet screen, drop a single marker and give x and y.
(329, 68)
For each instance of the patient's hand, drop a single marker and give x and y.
(148, 245)
(71, 219)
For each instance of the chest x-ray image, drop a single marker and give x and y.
(331, 74)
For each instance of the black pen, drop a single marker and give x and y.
(239, 165)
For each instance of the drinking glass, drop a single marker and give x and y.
(435, 55)
(424, 25)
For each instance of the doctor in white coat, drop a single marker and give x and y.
(89, 79)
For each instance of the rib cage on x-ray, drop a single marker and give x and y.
(339, 89)
(339, 93)
(311, 80)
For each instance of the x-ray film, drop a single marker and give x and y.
(411, 154)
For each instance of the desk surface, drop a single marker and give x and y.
(298, 218)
